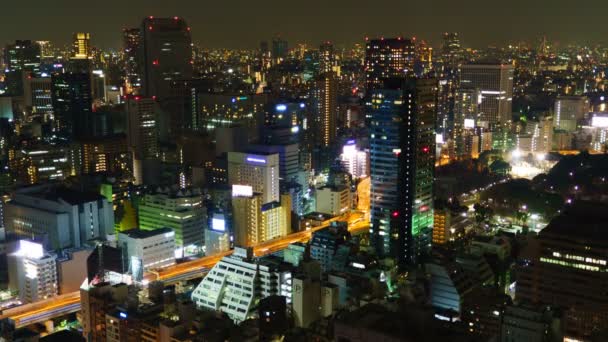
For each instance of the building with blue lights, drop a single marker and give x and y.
(402, 139)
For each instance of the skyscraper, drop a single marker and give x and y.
(326, 101)
(495, 81)
(82, 45)
(21, 57)
(279, 48)
(402, 140)
(386, 58)
(131, 45)
(451, 51)
(166, 54)
(327, 57)
(72, 103)
(259, 171)
(142, 136)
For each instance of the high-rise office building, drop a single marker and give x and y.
(131, 45)
(326, 106)
(570, 268)
(166, 54)
(21, 57)
(466, 111)
(451, 51)
(402, 140)
(495, 82)
(37, 95)
(569, 110)
(386, 58)
(259, 171)
(279, 49)
(82, 45)
(327, 58)
(142, 137)
(182, 211)
(72, 103)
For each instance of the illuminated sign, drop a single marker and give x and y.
(599, 121)
(439, 138)
(242, 190)
(350, 142)
(218, 224)
(469, 123)
(281, 108)
(295, 129)
(302, 105)
(256, 160)
(122, 315)
(358, 265)
(30, 249)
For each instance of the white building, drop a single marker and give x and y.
(60, 216)
(181, 210)
(333, 200)
(356, 162)
(260, 171)
(148, 249)
(236, 284)
(32, 272)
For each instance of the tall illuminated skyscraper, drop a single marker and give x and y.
(166, 54)
(131, 45)
(327, 57)
(495, 81)
(21, 57)
(72, 103)
(402, 139)
(326, 96)
(386, 58)
(451, 51)
(82, 45)
(142, 137)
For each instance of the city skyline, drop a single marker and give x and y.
(340, 21)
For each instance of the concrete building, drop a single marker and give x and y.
(60, 216)
(72, 269)
(495, 82)
(355, 162)
(217, 237)
(33, 272)
(568, 111)
(255, 222)
(236, 284)
(333, 201)
(530, 323)
(95, 302)
(260, 171)
(142, 138)
(569, 269)
(180, 210)
(289, 159)
(325, 243)
(147, 249)
(449, 285)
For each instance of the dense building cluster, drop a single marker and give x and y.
(389, 190)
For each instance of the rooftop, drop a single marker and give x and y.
(142, 234)
(581, 220)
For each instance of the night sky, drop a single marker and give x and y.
(244, 23)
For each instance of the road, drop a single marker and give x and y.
(358, 221)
